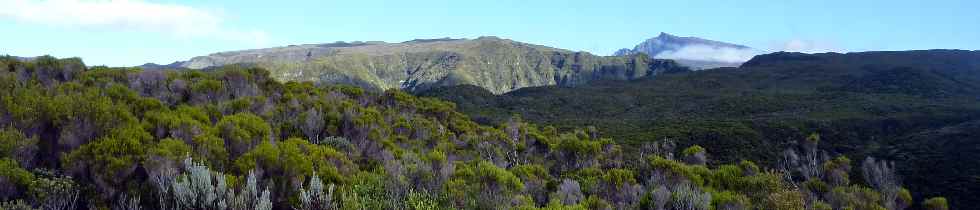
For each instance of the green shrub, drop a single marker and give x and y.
(117, 136)
(730, 200)
(935, 203)
(14, 144)
(491, 174)
(243, 131)
(12, 175)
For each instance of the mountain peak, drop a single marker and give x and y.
(694, 52)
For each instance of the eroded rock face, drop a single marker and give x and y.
(499, 65)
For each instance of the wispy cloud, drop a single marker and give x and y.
(806, 46)
(711, 53)
(178, 20)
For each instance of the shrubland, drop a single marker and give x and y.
(75, 137)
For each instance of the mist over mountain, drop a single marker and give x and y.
(499, 65)
(693, 52)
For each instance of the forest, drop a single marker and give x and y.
(78, 137)
(920, 109)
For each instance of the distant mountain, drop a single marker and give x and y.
(22, 59)
(498, 65)
(694, 52)
(153, 66)
(920, 109)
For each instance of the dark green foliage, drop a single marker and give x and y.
(231, 138)
(919, 108)
(695, 155)
(729, 200)
(110, 161)
(936, 203)
(15, 145)
(242, 132)
(14, 180)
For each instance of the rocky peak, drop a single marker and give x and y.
(694, 52)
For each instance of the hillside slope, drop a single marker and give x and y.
(499, 65)
(232, 138)
(919, 108)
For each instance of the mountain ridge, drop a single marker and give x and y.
(497, 64)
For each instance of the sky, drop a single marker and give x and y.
(129, 33)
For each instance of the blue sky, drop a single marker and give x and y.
(125, 33)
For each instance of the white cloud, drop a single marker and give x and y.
(177, 20)
(806, 46)
(710, 53)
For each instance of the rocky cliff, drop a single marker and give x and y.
(499, 65)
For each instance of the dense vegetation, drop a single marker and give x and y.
(918, 108)
(108, 138)
(498, 65)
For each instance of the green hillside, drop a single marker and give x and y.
(919, 108)
(74, 137)
(498, 65)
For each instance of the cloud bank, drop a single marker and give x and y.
(177, 20)
(806, 46)
(710, 53)
(737, 55)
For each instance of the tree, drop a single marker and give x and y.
(152, 84)
(242, 132)
(15, 145)
(165, 155)
(695, 155)
(240, 82)
(289, 162)
(569, 192)
(110, 161)
(536, 180)
(206, 91)
(881, 175)
(935, 203)
(313, 124)
(729, 200)
(619, 188)
(837, 171)
(14, 180)
(184, 123)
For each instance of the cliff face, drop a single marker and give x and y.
(499, 65)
